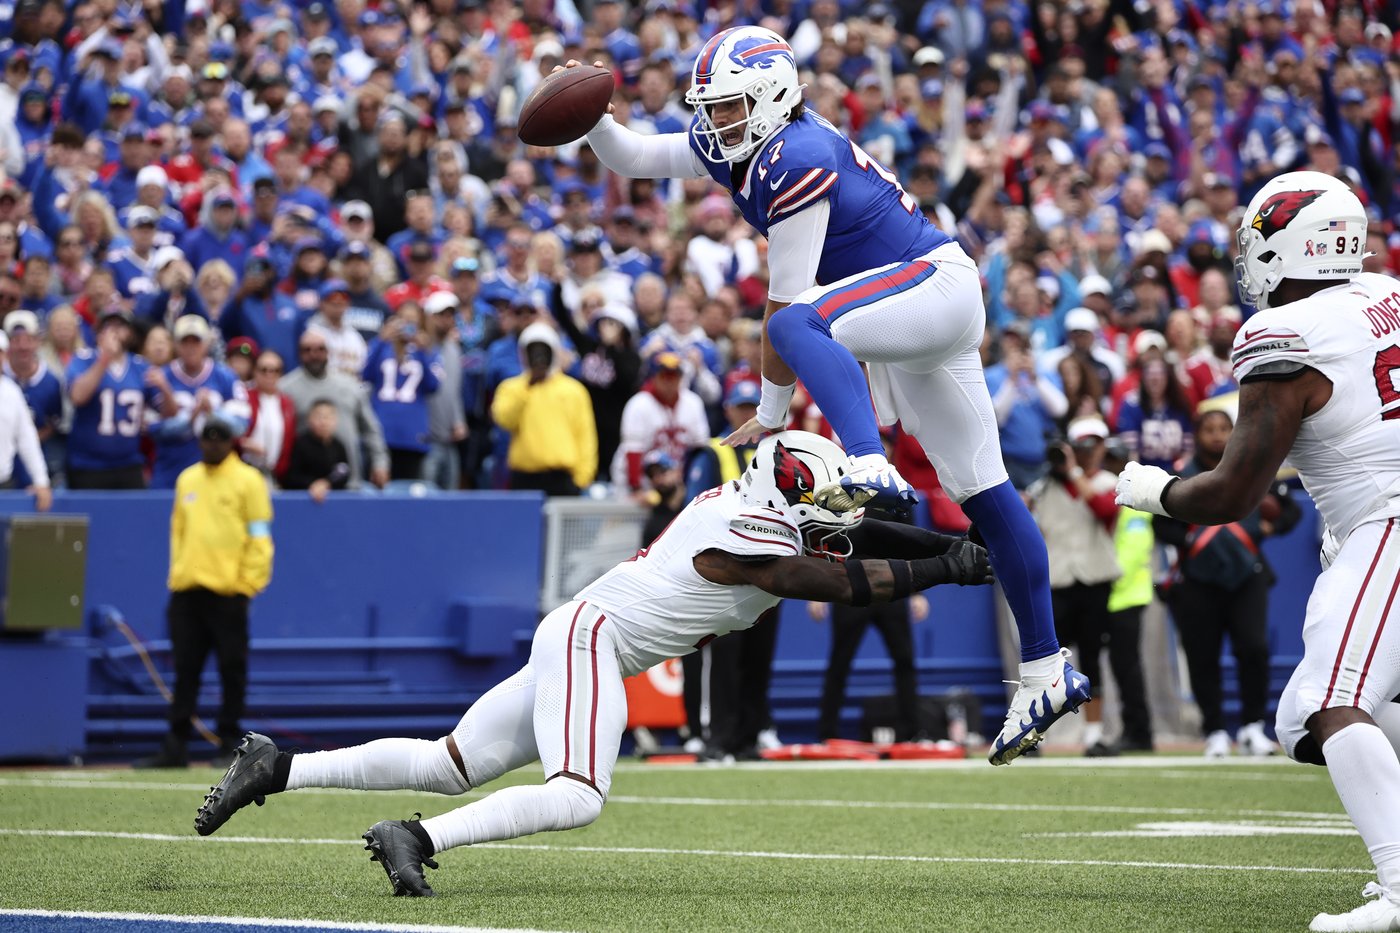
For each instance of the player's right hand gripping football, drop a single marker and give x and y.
(575, 63)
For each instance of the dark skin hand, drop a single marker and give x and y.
(1271, 414)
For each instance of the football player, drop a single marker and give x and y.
(857, 272)
(729, 556)
(1316, 367)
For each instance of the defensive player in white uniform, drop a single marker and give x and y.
(1317, 370)
(730, 555)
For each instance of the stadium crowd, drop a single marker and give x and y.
(254, 207)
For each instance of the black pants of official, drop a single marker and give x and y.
(121, 478)
(1204, 615)
(406, 464)
(1081, 623)
(549, 482)
(740, 669)
(848, 625)
(1125, 657)
(201, 622)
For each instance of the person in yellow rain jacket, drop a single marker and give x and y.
(549, 415)
(220, 557)
(1134, 542)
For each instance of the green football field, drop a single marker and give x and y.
(1139, 843)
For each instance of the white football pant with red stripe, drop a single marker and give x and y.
(567, 708)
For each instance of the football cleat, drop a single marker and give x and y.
(1218, 744)
(1254, 742)
(1035, 708)
(392, 844)
(881, 485)
(248, 780)
(1380, 915)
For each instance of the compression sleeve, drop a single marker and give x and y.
(795, 250)
(634, 155)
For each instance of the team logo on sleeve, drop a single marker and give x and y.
(793, 477)
(1278, 212)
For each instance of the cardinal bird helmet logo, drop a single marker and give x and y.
(792, 477)
(1278, 212)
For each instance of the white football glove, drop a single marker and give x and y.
(1140, 487)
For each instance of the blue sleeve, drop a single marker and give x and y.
(370, 374)
(231, 322)
(702, 472)
(1129, 417)
(152, 395)
(51, 219)
(432, 367)
(793, 181)
(76, 367)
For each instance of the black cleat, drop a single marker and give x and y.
(392, 844)
(248, 780)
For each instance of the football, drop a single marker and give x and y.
(565, 105)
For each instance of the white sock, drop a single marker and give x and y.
(1042, 670)
(1093, 733)
(517, 811)
(384, 764)
(1387, 716)
(1366, 773)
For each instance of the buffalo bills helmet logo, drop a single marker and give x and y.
(757, 52)
(792, 477)
(1278, 212)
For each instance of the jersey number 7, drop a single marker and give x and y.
(868, 163)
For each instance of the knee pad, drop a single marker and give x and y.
(434, 771)
(1291, 727)
(574, 803)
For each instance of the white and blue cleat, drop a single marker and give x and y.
(880, 485)
(1035, 708)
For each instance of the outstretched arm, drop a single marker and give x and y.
(853, 583)
(898, 541)
(1271, 413)
(633, 155)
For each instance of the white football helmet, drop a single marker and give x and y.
(1301, 225)
(785, 470)
(745, 63)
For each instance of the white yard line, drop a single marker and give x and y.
(74, 783)
(716, 853)
(256, 921)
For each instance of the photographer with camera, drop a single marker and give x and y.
(1075, 509)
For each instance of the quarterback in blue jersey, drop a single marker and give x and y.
(858, 274)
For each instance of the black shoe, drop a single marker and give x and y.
(1135, 745)
(248, 779)
(172, 754)
(392, 844)
(1101, 750)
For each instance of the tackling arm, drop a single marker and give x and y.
(1271, 413)
(894, 540)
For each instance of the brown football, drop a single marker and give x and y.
(565, 105)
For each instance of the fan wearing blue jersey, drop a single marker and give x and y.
(858, 274)
(111, 390)
(201, 387)
(401, 374)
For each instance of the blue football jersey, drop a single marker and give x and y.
(43, 393)
(399, 392)
(106, 432)
(177, 437)
(873, 221)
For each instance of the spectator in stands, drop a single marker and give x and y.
(367, 311)
(318, 461)
(401, 375)
(218, 235)
(717, 462)
(272, 419)
(356, 424)
(1155, 421)
(1074, 508)
(158, 349)
(19, 441)
(1221, 586)
(42, 389)
(422, 278)
(384, 180)
(240, 354)
(447, 421)
(663, 415)
(110, 390)
(357, 221)
(347, 347)
(173, 296)
(1028, 403)
(681, 334)
(549, 415)
(214, 285)
(261, 313)
(1209, 367)
(202, 388)
(220, 558)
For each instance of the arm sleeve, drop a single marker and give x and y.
(633, 155)
(874, 538)
(1271, 350)
(256, 571)
(795, 250)
(27, 446)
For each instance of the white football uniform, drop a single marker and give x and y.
(567, 706)
(1348, 457)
